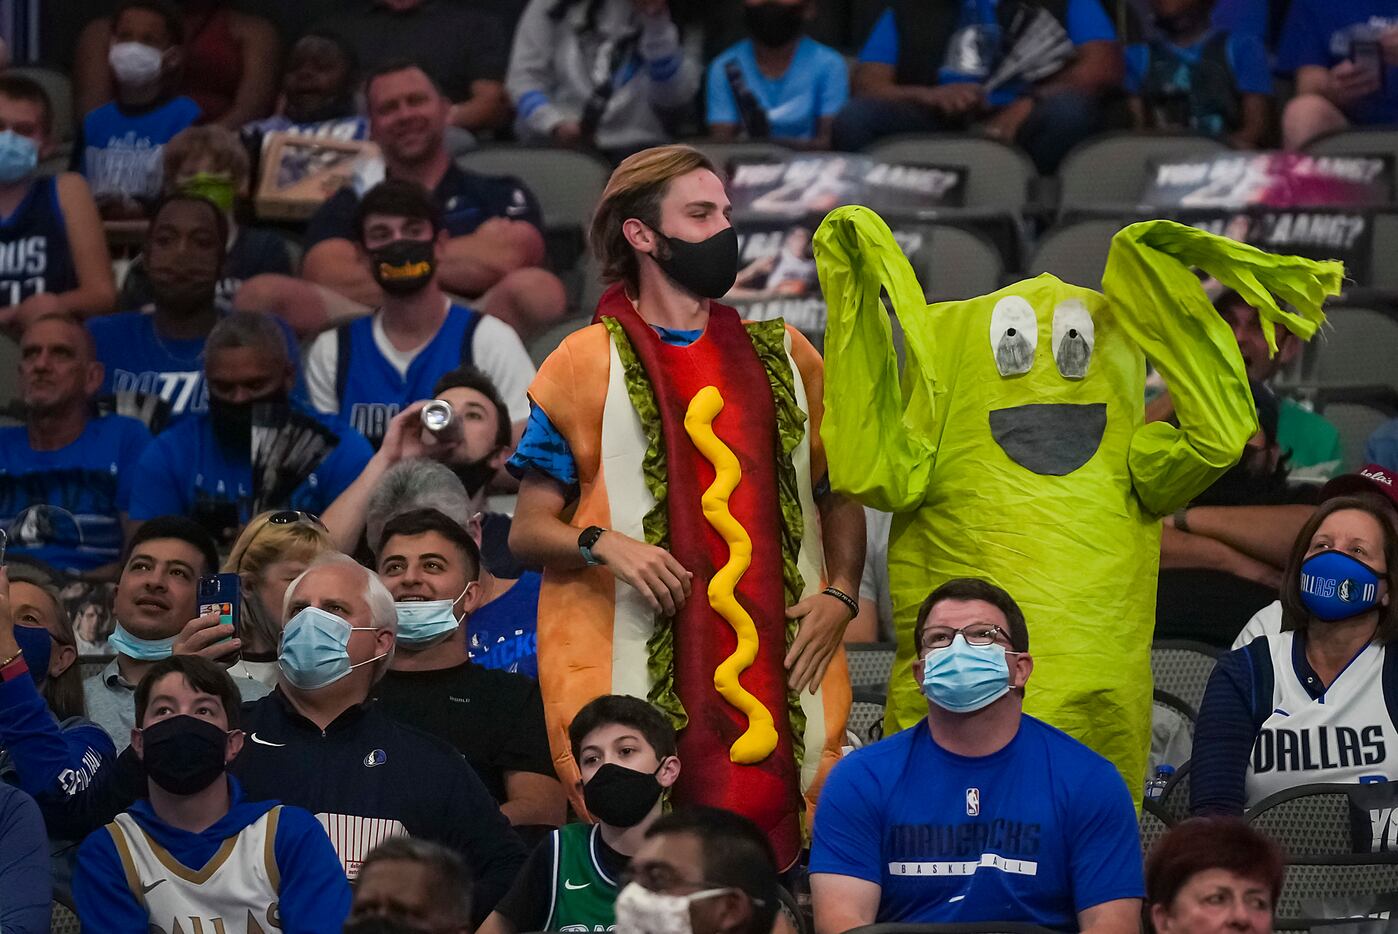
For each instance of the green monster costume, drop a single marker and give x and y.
(1013, 447)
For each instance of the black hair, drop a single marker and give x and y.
(468, 377)
(203, 675)
(452, 884)
(398, 197)
(974, 588)
(626, 711)
(346, 51)
(23, 88)
(392, 67)
(220, 221)
(181, 529)
(418, 521)
(735, 853)
(174, 22)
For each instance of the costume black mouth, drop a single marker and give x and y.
(1051, 439)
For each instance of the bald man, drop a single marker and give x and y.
(65, 475)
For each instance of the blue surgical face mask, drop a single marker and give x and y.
(424, 623)
(963, 678)
(1337, 586)
(18, 157)
(315, 649)
(145, 650)
(37, 646)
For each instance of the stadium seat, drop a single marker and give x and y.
(1108, 173)
(998, 175)
(1383, 272)
(1309, 821)
(1172, 730)
(9, 371)
(1356, 411)
(866, 716)
(1173, 805)
(1153, 825)
(1182, 668)
(1356, 347)
(722, 154)
(1306, 885)
(63, 919)
(1359, 141)
(1075, 253)
(60, 91)
(956, 264)
(567, 183)
(869, 663)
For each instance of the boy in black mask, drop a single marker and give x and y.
(195, 851)
(779, 84)
(625, 750)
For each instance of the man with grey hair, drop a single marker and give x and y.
(316, 742)
(412, 882)
(256, 448)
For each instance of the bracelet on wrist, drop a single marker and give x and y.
(850, 603)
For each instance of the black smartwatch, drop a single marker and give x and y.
(586, 540)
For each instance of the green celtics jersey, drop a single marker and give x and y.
(584, 895)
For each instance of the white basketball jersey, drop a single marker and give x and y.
(1345, 735)
(234, 893)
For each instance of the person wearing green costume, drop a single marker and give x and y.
(1014, 447)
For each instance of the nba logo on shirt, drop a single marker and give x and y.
(973, 802)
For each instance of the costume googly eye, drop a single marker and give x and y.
(1014, 333)
(1073, 337)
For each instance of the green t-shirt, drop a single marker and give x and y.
(1310, 439)
(567, 884)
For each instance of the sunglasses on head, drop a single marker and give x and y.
(293, 516)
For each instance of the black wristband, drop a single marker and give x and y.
(846, 599)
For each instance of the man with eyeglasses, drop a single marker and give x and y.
(979, 813)
(702, 870)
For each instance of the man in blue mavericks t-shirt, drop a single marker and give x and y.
(202, 467)
(65, 475)
(979, 813)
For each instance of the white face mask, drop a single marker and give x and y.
(641, 911)
(135, 64)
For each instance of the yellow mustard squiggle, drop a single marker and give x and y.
(760, 738)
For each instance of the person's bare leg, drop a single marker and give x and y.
(529, 300)
(1308, 116)
(306, 307)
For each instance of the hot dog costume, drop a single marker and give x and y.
(710, 451)
(1013, 447)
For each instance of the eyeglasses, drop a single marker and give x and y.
(976, 634)
(294, 516)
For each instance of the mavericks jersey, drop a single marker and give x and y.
(236, 892)
(584, 896)
(372, 390)
(34, 252)
(1341, 734)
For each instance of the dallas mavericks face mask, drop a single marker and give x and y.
(424, 623)
(37, 646)
(707, 268)
(1337, 586)
(18, 157)
(315, 649)
(146, 650)
(963, 678)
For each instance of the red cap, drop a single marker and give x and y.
(1371, 478)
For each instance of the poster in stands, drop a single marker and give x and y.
(1272, 179)
(777, 274)
(1316, 233)
(816, 184)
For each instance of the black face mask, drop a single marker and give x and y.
(1179, 23)
(474, 476)
(378, 924)
(707, 268)
(183, 754)
(620, 796)
(773, 24)
(232, 421)
(403, 267)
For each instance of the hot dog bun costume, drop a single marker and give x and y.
(1013, 447)
(709, 451)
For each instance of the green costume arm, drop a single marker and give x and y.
(881, 452)
(1161, 306)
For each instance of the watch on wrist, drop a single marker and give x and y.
(586, 541)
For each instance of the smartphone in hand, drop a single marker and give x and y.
(221, 592)
(1367, 55)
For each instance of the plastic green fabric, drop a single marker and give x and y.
(1078, 551)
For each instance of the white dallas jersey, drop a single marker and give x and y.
(1344, 735)
(236, 892)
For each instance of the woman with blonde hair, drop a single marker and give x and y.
(272, 551)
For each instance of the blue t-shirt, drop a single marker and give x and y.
(1086, 21)
(504, 633)
(121, 151)
(1242, 16)
(64, 507)
(137, 358)
(186, 471)
(1320, 32)
(543, 447)
(1247, 59)
(1037, 832)
(815, 85)
(1382, 448)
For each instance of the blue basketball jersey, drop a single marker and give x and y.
(34, 252)
(372, 390)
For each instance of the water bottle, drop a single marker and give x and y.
(1155, 785)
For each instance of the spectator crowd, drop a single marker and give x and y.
(282, 496)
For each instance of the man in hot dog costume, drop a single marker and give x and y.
(673, 487)
(1014, 448)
